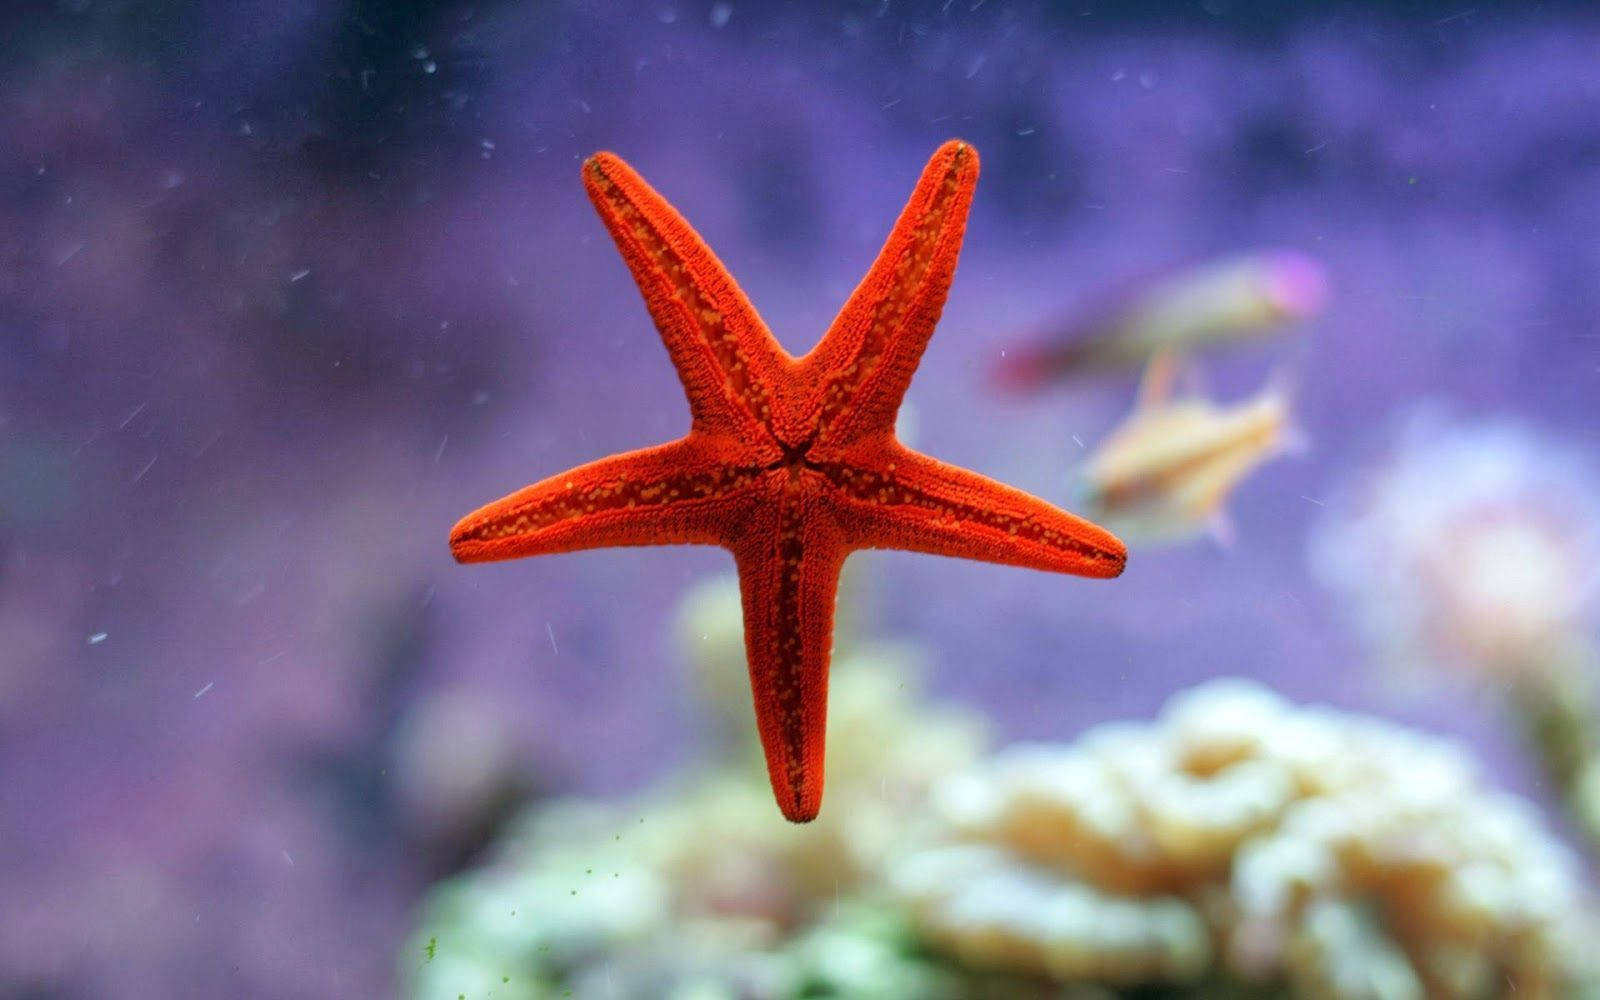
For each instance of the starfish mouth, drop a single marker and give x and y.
(796, 454)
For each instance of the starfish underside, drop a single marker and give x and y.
(790, 463)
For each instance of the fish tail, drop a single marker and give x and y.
(1025, 370)
(1282, 386)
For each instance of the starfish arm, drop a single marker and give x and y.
(673, 494)
(899, 499)
(726, 357)
(865, 361)
(789, 560)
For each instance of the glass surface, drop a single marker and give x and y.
(1299, 302)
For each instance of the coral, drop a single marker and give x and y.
(1239, 838)
(694, 890)
(1237, 846)
(695, 893)
(456, 770)
(887, 745)
(1476, 547)
(1473, 545)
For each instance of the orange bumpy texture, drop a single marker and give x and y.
(790, 463)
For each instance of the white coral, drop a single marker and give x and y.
(1346, 855)
(1470, 544)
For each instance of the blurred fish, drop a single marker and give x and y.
(1234, 298)
(1166, 472)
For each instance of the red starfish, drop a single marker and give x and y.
(790, 463)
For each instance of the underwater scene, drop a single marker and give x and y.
(733, 500)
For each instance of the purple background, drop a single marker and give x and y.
(287, 287)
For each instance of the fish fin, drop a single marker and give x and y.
(1281, 387)
(1029, 368)
(1019, 370)
(1192, 382)
(1221, 528)
(1294, 441)
(1158, 380)
(1282, 383)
